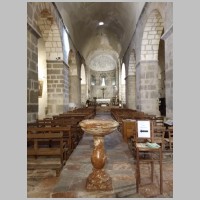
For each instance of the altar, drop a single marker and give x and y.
(103, 101)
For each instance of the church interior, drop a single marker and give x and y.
(99, 99)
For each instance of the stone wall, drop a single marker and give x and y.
(96, 81)
(32, 74)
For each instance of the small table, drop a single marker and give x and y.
(153, 154)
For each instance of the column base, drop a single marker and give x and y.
(99, 180)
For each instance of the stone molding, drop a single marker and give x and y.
(167, 33)
(58, 62)
(33, 30)
(132, 75)
(146, 61)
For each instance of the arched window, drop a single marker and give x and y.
(65, 45)
(83, 78)
(123, 84)
(123, 74)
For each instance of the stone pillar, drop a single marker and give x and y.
(117, 81)
(75, 91)
(168, 37)
(138, 94)
(42, 76)
(131, 92)
(32, 74)
(66, 87)
(147, 87)
(83, 94)
(88, 85)
(57, 87)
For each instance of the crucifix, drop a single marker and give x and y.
(103, 84)
(103, 91)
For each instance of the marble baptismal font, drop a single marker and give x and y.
(98, 179)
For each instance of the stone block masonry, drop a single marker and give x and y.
(32, 75)
(130, 93)
(57, 82)
(151, 37)
(147, 90)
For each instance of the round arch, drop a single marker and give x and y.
(49, 49)
(51, 35)
(149, 80)
(151, 36)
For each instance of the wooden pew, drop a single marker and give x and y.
(37, 147)
(67, 136)
(121, 114)
(76, 132)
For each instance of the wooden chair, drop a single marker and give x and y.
(147, 152)
(159, 121)
(169, 140)
(159, 135)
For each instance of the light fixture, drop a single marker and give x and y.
(101, 23)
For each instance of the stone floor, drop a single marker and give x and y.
(120, 165)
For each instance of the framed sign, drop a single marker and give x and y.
(144, 129)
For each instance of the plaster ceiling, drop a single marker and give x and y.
(100, 46)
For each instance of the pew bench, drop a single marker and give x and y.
(38, 145)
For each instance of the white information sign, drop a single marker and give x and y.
(144, 129)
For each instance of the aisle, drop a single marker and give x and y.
(120, 166)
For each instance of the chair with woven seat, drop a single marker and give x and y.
(147, 152)
(159, 135)
(169, 140)
(159, 121)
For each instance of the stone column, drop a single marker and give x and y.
(131, 92)
(147, 87)
(57, 87)
(168, 37)
(117, 81)
(83, 94)
(75, 92)
(88, 86)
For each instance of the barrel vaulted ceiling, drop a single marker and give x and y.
(101, 46)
